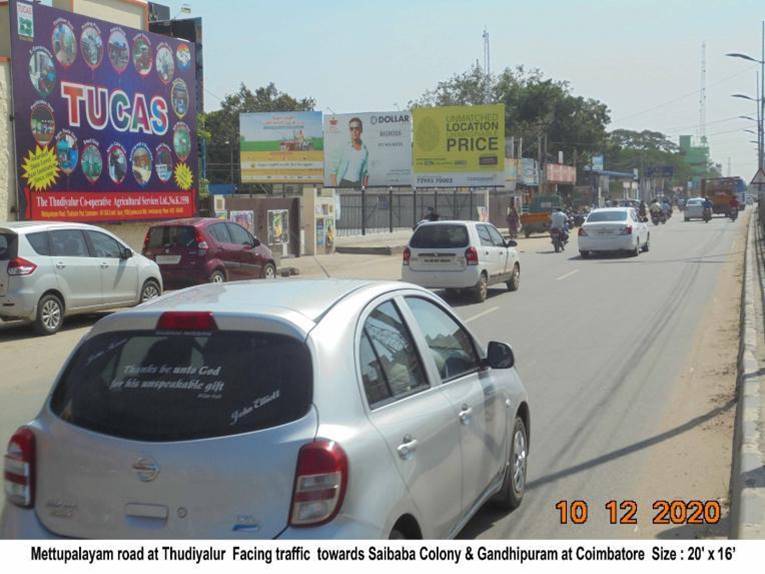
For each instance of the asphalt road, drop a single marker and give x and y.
(603, 346)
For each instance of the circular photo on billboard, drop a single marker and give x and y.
(182, 141)
(165, 63)
(140, 158)
(92, 163)
(118, 49)
(117, 158)
(67, 153)
(163, 162)
(183, 54)
(64, 42)
(179, 97)
(42, 71)
(91, 45)
(42, 122)
(142, 54)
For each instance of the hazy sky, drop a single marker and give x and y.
(640, 57)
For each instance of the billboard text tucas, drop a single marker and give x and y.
(104, 119)
(459, 146)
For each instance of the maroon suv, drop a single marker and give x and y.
(202, 250)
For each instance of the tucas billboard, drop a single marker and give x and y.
(370, 149)
(459, 146)
(104, 121)
(281, 147)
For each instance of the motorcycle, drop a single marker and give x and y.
(657, 218)
(707, 214)
(559, 239)
(733, 213)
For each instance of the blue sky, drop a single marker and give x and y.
(634, 55)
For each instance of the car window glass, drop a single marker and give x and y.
(68, 243)
(39, 242)
(171, 236)
(598, 216)
(375, 386)
(7, 246)
(104, 245)
(483, 235)
(219, 233)
(440, 236)
(450, 344)
(238, 234)
(496, 238)
(394, 350)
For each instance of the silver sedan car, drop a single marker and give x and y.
(285, 409)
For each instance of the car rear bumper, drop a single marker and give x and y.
(18, 305)
(175, 276)
(611, 243)
(339, 529)
(461, 279)
(22, 523)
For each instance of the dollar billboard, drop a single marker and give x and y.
(281, 147)
(104, 119)
(370, 149)
(459, 146)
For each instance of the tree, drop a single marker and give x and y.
(223, 125)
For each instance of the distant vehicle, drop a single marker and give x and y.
(613, 229)
(464, 256)
(720, 191)
(694, 209)
(537, 218)
(49, 271)
(206, 249)
(273, 409)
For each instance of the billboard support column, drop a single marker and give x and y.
(390, 209)
(435, 200)
(363, 212)
(414, 207)
(470, 204)
(454, 204)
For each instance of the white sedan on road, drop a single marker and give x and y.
(613, 229)
(694, 208)
(460, 255)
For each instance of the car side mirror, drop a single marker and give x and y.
(511, 243)
(500, 355)
(127, 253)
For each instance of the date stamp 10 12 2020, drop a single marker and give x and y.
(577, 512)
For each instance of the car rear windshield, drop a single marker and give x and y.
(695, 202)
(171, 236)
(598, 216)
(152, 386)
(7, 246)
(444, 236)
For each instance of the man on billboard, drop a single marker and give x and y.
(351, 168)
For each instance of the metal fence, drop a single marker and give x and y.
(380, 212)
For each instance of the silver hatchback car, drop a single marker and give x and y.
(52, 270)
(285, 409)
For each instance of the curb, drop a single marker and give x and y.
(287, 271)
(748, 474)
(372, 250)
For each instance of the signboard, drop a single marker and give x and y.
(597, 163)
(558, 173)
(370, 149)
(660, 171)
(244, 218)
(278, 227)
(529, 172)
(104, 121)
(511, 173)
(459, 146)
(281, 147)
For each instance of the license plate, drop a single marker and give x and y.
(168, 259)
(605, 232)
(437, 260)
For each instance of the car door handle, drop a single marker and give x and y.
(60, 265)
(465, 414)
(104, 265)
(407, 447)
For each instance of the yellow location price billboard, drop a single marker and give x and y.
(457, 146)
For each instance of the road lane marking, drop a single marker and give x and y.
(481, 314)
(569, 274)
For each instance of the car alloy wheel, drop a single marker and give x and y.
(519, 461)
(51, 314)
(217, 277)
(269, 272)
(150, 291)
(515, 279)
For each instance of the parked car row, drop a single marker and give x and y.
(49, 271)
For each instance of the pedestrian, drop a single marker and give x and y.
(513, 222)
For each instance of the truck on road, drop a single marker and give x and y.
(721, 190)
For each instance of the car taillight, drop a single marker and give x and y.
(471, 256)
(407, 255)
(187, 321)
(19, 468)
(20, 266)
(627, 230)
(582, 232)
(320, 482)
(201, 242)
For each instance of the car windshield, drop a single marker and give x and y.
(442, 236)
(599, 216)
(170, 386)
(695, 202)
(171, 236)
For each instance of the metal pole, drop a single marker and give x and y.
(435, 201)
(390, 209)
(762, 95)
(414, 207)
(363, 212)
(231, 162)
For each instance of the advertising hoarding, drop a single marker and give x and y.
(529, 172)
(104, 121)
(281, 147)
(559, 173)
(278, 226)
(459, 146)
(371, 149)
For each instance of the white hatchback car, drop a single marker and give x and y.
(461, 255)
(613, 229)
(694, 208)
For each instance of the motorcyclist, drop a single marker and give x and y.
(707, 207)
(642, 211)
(656, 208)
(559, 221)
(666, 208)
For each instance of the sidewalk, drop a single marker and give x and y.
(748, 478)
